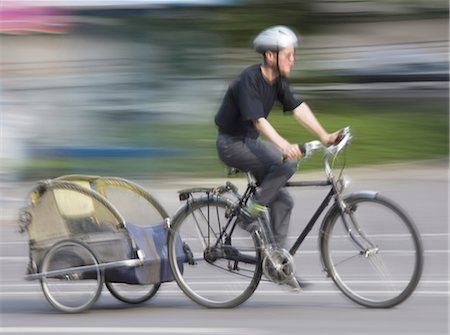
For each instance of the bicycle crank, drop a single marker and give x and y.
(278, 266)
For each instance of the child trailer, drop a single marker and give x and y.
(88, 230)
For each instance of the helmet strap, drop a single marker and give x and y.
(273, 67)
(278, 65)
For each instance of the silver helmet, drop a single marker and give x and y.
(275, 38)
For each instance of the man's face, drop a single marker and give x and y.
(286, 59)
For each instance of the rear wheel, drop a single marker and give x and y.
(68, 286)
(372, 252)
(223, 262)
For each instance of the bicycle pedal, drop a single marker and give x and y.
(294, 285)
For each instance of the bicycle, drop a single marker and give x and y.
(369, 246)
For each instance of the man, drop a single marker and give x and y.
(242, 117)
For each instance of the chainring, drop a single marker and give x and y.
(278, 266)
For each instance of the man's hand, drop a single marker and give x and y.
(330, 138)
(291, 151)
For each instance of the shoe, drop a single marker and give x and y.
(247, 219)
(253, 209)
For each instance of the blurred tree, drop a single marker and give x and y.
(239, 23)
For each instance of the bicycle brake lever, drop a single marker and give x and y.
(342, 134)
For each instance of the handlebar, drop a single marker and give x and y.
(307, 149)
(342, 141)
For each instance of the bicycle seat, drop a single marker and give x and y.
(231, 171)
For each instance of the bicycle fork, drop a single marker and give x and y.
(354, 230)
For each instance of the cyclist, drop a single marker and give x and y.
(242, 117)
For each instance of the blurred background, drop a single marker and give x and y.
(130, 88)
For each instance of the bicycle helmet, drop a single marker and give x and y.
(275, 38)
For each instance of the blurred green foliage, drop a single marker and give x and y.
(384, 132)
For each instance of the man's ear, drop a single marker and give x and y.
(269, 57)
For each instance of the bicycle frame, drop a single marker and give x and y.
(333, 192)
(317, 213)
(234, 255)
(355, 230)
(251, 189)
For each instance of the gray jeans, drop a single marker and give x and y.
(264, 161)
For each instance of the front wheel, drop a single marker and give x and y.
(222, 266)
(372, 252)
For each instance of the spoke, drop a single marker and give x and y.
(383, 272)
(227, 269)
(207, 220)
(347, 259)
(199, 230)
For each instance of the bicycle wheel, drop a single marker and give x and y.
(75, 290)
(223, 262)
(372, 252)
(132, 294)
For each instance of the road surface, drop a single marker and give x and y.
(420, 188)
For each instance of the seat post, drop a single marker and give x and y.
(251, 180)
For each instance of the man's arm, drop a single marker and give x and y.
(306, 118)
(289, 150)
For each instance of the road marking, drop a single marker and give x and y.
(128, 330)
(300, 253)
(263, 292)
(292, 237)
(263, 282)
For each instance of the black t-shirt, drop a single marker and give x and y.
(249, 98)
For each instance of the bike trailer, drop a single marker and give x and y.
(84, 211)
(151, 242)
(62, 210)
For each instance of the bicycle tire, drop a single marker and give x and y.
(76, 291)
(132, 294)
(210, 277)
(381, 276)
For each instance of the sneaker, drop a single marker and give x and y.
(248, 218)
(253, 209)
